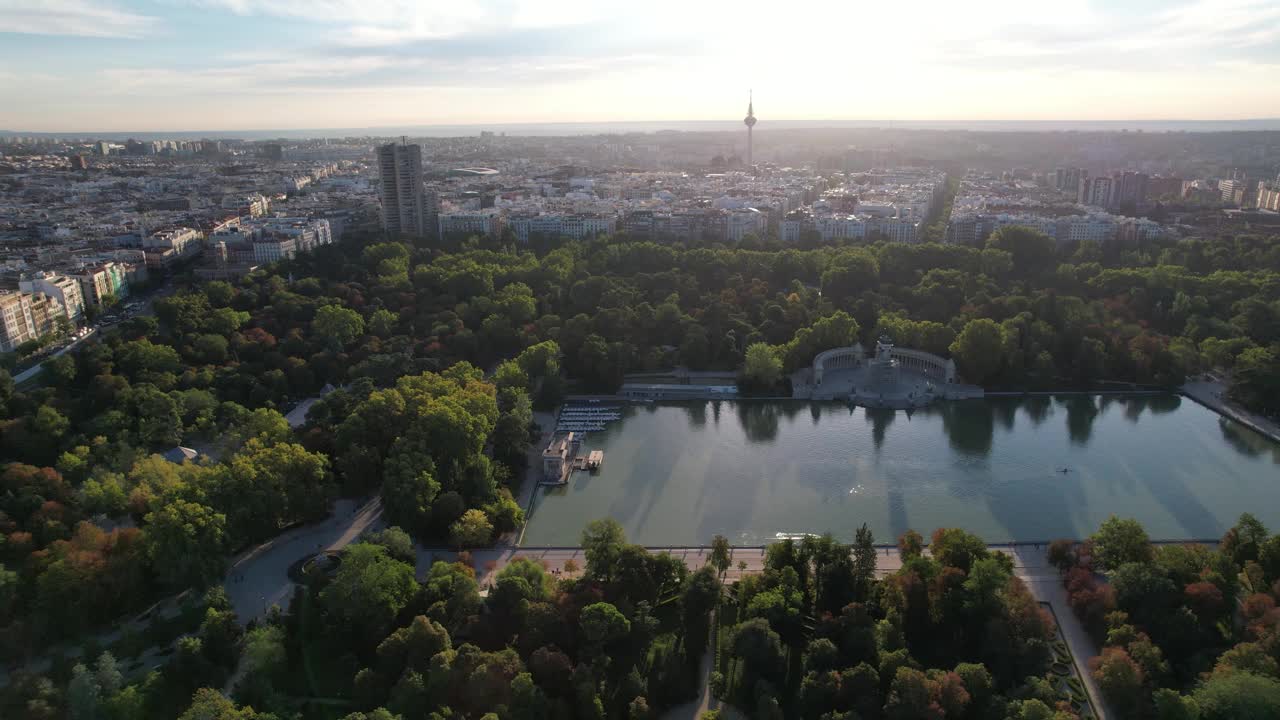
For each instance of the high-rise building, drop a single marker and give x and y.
(750, 122)
(1128, 188)
(1068, 178)
(403, 206)
(1119, 189)
(1095, 191)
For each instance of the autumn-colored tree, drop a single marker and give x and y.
(1119, 678)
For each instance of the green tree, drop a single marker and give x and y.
(1119, 541)
(337, 326)
(602, 625)
(909, 695)
(1034, 253)
(864, 562)
(185, 542)
(209, 704)
(1238, 696)
(602, 543)
(383, 322)
(265, 652)
(721, 554)
(979, 350)
(762, 367)
(473, 529)
(1169, 705)
(106, 671)
(369, 589)
(84, 697)
(397, 542)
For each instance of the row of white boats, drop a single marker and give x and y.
(581, 418)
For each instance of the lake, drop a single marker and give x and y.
(678, 473)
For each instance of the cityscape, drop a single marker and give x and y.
(592, 361)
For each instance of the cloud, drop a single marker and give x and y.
(85, 18)
(282, 75)
(381, 22)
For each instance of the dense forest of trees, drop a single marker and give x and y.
(952, 634)
(621, 639)
(439, 357)
(1186, 631)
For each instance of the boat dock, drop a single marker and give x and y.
(591, 461)
(560, 459)
(587, 417)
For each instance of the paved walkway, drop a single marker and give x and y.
(706, 702)
(1213, 395)
(1082, 647)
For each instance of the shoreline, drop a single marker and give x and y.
(1262, 426)
(1009, 545)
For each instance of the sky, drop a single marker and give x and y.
(122, 65)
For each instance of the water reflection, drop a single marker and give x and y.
(1247, 442)
(1081, 412)
(880, 419)
(1038, 408)
(1005, 411)
(697, 414)
(760, 419)
(673, 478)
(970, 426)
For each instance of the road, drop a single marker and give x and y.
(148, 308)
(34, 370)
(259, 578)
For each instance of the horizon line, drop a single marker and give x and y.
(836, 124)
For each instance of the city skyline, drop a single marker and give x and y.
(236, 65)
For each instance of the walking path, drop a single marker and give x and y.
(1082, 647)
(706, 702)
(1213, 395)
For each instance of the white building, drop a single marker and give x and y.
(740, 223)
(274, 247)
(182, 241)
(558, 226)
(254, 205)
(16, 323)
(64, 290)
(482, 222)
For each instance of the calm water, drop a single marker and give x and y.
(678, 473)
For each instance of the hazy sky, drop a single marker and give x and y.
(243, 64)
